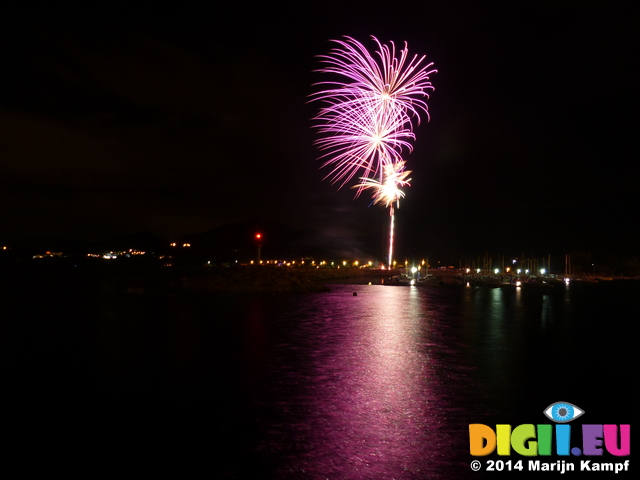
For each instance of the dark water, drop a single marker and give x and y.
(107, 372)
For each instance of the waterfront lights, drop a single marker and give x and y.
(542, 271)
(519, 271)
(496, 271)
(527, 272)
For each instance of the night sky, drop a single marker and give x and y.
(179, 119)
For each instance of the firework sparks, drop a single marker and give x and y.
(363, 144)
(388, 192)
(392, 83)
(366, 119)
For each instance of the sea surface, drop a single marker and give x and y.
(108, 373)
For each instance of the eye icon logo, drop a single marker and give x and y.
(562, 412)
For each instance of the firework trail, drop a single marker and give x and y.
(388, 192)
(366, 119)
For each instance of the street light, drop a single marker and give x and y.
(258, 239)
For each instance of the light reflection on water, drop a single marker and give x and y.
(384, 388)
(378, 385)
(387, 381)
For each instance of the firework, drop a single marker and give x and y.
(366, 119)
(391, 82)
(388, 192)
(362, 145)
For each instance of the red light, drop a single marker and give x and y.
(258, 235)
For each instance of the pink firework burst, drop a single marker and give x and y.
(391, 82)
(366, 119)
(360, 144)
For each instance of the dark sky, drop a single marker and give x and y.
(178, 119)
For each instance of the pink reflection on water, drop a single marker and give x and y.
(377, 406)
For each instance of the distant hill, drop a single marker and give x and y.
(224, 244)
(237, 241)
(145, 241)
